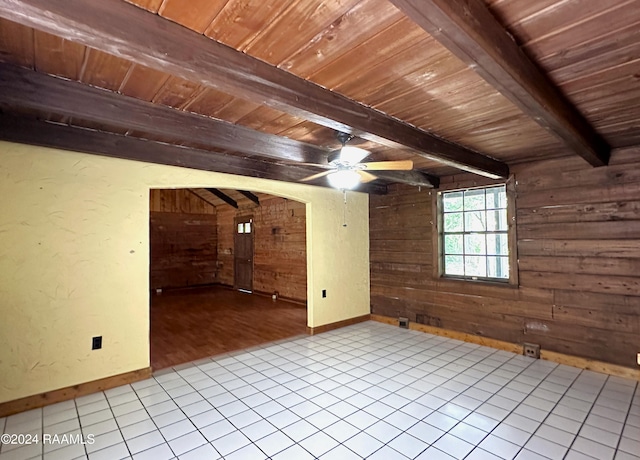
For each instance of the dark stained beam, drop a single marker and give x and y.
(223, 196)
(33, 132)
(124, 30)
(24, 88)
(250, 196)
(471, 32)
(416, 178)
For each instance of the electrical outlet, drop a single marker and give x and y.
(532, 350)
(96, 343)
(403, 322)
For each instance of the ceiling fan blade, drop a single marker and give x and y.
(366, 177)
(315, 176)
(399, 165)
(316, 165)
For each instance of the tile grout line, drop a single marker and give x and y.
(585, 419)
(458, 421)
(448, 380)
(626, 417)
(368, 345)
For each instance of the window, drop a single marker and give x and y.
(244, 227)
(474, 234)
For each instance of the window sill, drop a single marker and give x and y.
(497, 284)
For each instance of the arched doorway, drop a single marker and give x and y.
(199, 305)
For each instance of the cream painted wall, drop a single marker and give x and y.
(74, 261)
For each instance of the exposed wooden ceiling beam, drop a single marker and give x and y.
(416, 178)
(471, 32)
(199, 195)
(33, 132)
(126, 31)
(24, 88)
(250, 196)
(223, 196)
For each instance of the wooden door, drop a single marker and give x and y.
(243, 253)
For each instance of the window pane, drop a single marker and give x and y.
(474, 244)
(452, 201)
(496, 197)
(473, 199)
(503, 197)
(475, 266)
(240, 228)
(474, 221)
(247, 227)
(453, 244)
(497, 244)
(454, 265)
(498, 267)
(497, 220)
(453, 222)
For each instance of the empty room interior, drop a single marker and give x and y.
(303, 229)
(210, 250)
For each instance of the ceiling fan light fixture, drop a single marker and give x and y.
(344, 179)
(347, 156)
(352, 155)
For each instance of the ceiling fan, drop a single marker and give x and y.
(345, 170)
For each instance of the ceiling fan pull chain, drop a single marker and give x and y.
(344, 214)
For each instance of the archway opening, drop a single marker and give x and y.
(211, 291)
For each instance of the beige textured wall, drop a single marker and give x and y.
(74, 261)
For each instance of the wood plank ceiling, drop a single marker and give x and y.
(365, 51)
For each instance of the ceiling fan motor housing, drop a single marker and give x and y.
(334, 157)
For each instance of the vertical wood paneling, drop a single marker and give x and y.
(142, 82)
(226, 232)
(104, 70)
(280, 257)
(57, 56)
(295, 27)
(370, 52)
(240, 21)
(358, 25)
(209, 102)
(150, 5)
(194, 14)
(176, 92)
(182, 249)
(180, 201)
(579, 262)
(16, 44)
(183, 239)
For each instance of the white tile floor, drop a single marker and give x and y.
(366, 391)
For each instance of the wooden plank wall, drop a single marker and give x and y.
(179, 200)
(226, 231)
(183, 239)
(280, 256)
(579, 262)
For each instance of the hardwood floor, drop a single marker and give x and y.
(190, 324)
